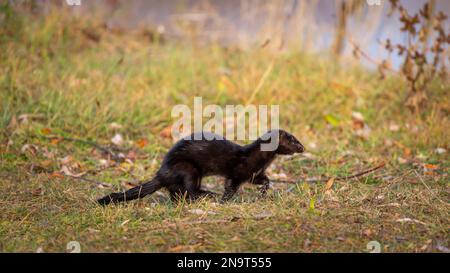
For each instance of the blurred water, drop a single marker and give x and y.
(246, 22)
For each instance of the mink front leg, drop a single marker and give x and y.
(262, 180)
(230, 190)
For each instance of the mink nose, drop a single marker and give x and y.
(301, 148)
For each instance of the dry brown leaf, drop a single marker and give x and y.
(117, 139)
(56, 175)
(66, 160)
(141, 143)
(201, 212)
(431, 166)
(55, 141)
(367, 232)
(115, 126)
(406, 152)
(13, 123)
(46, 163)
(329, 184)
(166, 132)
(46, 131)
(127, 185)
(65, 170)
(32, 149)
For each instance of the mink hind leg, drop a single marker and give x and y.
(185, 183)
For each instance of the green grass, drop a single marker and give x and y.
(72, 86)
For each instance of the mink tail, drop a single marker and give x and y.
(131, 194)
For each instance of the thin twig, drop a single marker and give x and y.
(106, 150)
(106, 185)
(381, 165)
(325, 179)
(365, 55)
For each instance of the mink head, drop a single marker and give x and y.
(288, 144)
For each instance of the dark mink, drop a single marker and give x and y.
(189, 160)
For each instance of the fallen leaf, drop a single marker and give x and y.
(367, 232)
(66, 160)
(12, 123)
(201, 212)
(312, 145)
(117, 139)
(131, 156)
(430, 167)
(358, 120)
(329, 184)
(32, 149)
(394, 127)
(363, 132)
(406, 152)
(167, 132)
(57, 175)
(55, 141)
(306, 243)
(421, 156)
(442, 248)
(426, 245)
(332, 120)
(308, 155)
(38, 169)
(65, 170)
(115, 126)
(379, 197)
(46, 131)
(141, 143)
(37, 192)
(262, 215)
(401, 160)
(125, 166)
(91, 230)
(312, 202)
(279, 175)
(25, 118)
(235, 238)
(388, 142)
(128, 185)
